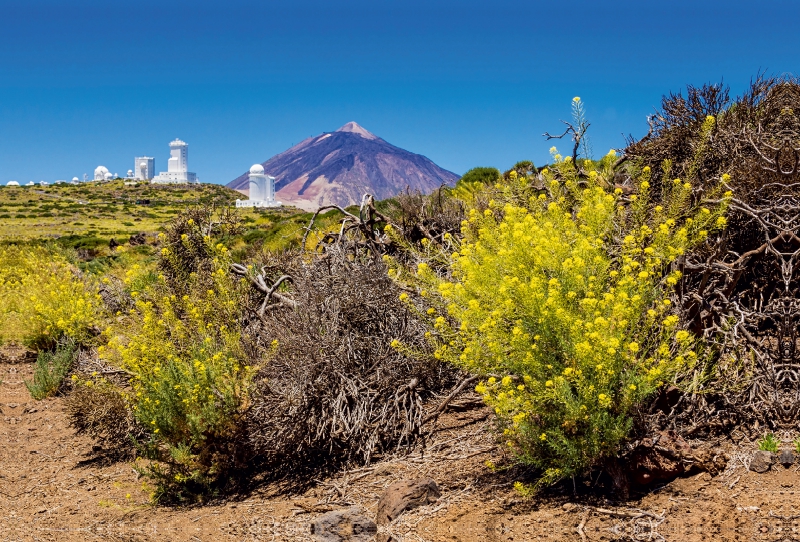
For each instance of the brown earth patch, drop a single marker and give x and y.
(53, 487)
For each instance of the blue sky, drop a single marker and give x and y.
(465, 83)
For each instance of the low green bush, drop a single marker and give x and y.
(50, 370)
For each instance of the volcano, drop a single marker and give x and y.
(340, 167)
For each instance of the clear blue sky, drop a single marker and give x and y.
(466, 83)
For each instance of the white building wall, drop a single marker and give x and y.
(144, 173)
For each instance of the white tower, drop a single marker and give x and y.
(178, 157)
(144, 168)
(177, 165)
(261, 189)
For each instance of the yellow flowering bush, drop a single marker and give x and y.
(44, 298)
(190, 380)
(559, 297)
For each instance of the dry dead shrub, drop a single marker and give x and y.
(100, 411)
(337, 388)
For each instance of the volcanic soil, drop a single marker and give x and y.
(53, 486)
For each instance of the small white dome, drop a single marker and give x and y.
(142, 165)
(100, 170)
(75, 180)
(257, 169)
(43, 183)
(30, 183)
(12, 183)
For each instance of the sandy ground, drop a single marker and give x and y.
(51, 489)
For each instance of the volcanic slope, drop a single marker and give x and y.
(340, 167)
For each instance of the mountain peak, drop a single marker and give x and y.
(354, 128)
(338, 168)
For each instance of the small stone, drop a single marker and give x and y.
(762, 461)
(703, 477)
(347, 525)
(567, 506)
(786, 458)
(406, 495)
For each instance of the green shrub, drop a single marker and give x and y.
(768, 443)
(50, 370)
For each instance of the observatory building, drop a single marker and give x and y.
(101, 174)
(261, 190)
(177, 166)
(144, 168)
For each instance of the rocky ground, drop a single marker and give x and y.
(53, 488)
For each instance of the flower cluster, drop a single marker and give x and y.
(190, 378)
(44, 298)
(564, 299)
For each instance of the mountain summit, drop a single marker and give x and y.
(340, 167)
(354, 128)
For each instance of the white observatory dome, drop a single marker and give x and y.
(30, 183)
(100, 173)
(12, 183)
(76, 180)
(257, 169)
(43, 183)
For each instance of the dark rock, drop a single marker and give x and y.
(138, 239)
(762, 461)
(347, 525)
(406, 495)
(112, 244)
(786, 458)
(659, 459)
(668, 398)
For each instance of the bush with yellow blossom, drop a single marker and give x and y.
(44, 298)
(189, 375)
(558, 295)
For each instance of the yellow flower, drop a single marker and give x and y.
(576, 99)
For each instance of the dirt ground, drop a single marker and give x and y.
(52, 489)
